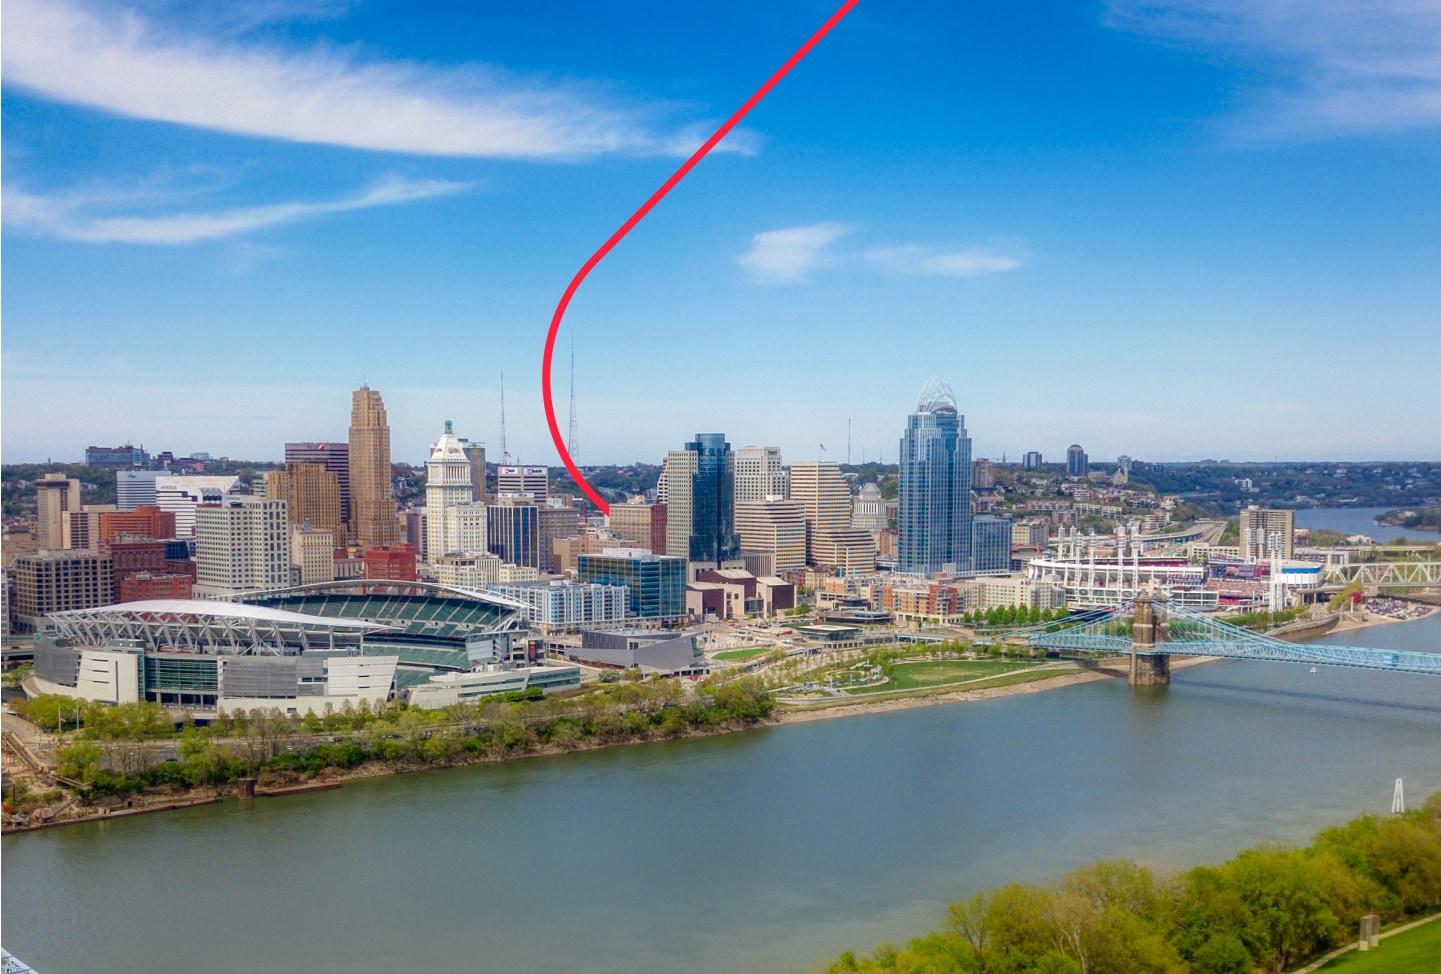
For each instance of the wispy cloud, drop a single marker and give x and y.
(792, 253)
(789, 255)
(971, 262)
(1340, 66)
(84, 216)
(125, 63)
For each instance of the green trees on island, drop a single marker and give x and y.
(108, 753)
(1268, 909)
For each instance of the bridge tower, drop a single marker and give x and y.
(1148, 668)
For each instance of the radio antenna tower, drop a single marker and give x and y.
(504, 453)
(848, 441)
(570, 440)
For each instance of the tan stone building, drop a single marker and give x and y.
(312, 494)
(56, 495)
(825, 497)
(777, 526)
(373, 517)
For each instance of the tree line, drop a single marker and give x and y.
(108, 753)
(1270, 909)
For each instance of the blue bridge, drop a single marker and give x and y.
(1150, 633)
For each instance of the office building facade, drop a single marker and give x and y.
(135, 488)
(311, 494)
(643, 524)
(1267, 534)
(534, 481)
(991, 545)
(934, 514)
(334, 457)
(372, 500)
(776, 526)
(241, 544)
(449, 482)
(700, 500)
(57, 581)
(513, 530)
(1077, 463)
(758, 474)
(181, 495)
(655, 584)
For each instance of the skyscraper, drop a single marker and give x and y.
(312, 494)
(776, 526)
(700, 507)
(934, 519)
(1032, 460)
(534, 481)
(372, 502)
(1077, 463)
(242, 543)
(759, 474)
(449, 482)
(334, 457)
(476, 453)
(56, 495)
(134, 488)
(825, 497)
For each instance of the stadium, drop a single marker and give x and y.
(294, 649)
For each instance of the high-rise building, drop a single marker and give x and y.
(57, 581)
(991, 545)
(777, 526)
(1267, 533)
(334, 457)
(180, 496)
(655, 584)
(135, 488)
(700, 500)
(983, 474)
(476, 453)
(1123, 464)
(1032, 460)
(824, 495)
(146, 521)
(463, 531)
(513, 530)
(642, 523)
(534, 481)
(449, 482)
(474, 570)
(372, 501)
(56, 495)
(312, 553)
(1077, 463)
(934, 518)
(758, 474)
(552, 524)
(868, 511)
(82, 527)
(311, 493)
(241, 544)
(846, 551)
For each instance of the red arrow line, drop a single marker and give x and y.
(639, 215)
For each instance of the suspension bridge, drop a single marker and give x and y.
(1151, 632)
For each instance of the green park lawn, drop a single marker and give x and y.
(1416, 951)
(914, 676)
(731, 655)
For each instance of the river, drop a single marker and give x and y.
(1354, 520)
(764, 851)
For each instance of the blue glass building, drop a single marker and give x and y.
(713, 536)
(991, 544)
(655, 584)
(934, 516)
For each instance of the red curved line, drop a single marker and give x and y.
(639, 215)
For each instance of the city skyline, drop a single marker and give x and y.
(1077, 197)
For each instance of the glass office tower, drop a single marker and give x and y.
(712, 534)
(934, 522)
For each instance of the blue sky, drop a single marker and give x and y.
(1171, 228)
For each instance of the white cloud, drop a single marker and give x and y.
(80, 216)
(1343, 66)
(133, 66)
(973, 262)
(790, 254)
